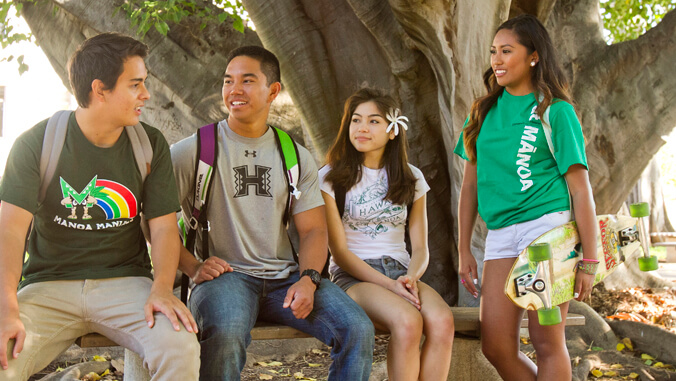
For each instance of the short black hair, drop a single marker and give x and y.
(268, 60)
(101, 57)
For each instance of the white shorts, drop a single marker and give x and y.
(509, 241)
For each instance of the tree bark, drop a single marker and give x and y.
(430, 55)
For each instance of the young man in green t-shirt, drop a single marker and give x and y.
(88, 268)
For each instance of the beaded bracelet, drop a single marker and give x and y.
(587, 266)
(590, 260)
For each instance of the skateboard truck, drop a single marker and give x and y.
(535, 283)
(628, 236)
(640, 211)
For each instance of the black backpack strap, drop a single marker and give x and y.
(205, 169)
(339, 195)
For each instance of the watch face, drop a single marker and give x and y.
(315, 277)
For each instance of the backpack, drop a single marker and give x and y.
(207, 152)
(55, 137)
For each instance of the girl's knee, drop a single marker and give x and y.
(440, 326)
(408, 328)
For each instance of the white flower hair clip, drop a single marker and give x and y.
(396, 120)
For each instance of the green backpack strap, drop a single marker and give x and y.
(289, 151)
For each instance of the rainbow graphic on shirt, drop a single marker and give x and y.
(115, 199)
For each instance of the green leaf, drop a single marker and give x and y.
(222, 16)
(238, 24)
(162, 27)
(23, 68)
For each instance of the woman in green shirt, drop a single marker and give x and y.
(518, 186)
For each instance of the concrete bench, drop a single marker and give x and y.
(466, 322)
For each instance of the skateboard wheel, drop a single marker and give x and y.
(539, 252)
(640, 209)
(647, 264)
(549, 316)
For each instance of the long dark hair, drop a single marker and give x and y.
(547, 77)
(346, 161)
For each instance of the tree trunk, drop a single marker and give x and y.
(430, 55)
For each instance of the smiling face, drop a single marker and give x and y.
(246, 93)
(125, 100)
(367, 133)
(511, 63)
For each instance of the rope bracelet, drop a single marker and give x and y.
(587, 266)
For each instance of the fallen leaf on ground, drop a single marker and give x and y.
(616, 366)
(627, 343)
(597, 373)
(265, 377)
(99, 358)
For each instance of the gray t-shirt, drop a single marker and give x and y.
(248, 200)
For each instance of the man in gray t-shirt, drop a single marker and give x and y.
(251, 273)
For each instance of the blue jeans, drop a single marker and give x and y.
(227, 307)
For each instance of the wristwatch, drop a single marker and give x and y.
(314, 275)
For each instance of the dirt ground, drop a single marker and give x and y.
(649, 306)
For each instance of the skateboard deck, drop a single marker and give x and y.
(533, 285)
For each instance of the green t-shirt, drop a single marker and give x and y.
(88, 225)
(518, 180)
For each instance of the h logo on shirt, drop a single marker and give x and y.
(260, 180)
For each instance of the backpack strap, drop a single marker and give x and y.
(52, 144)
(207, 152)
(143, 150)
(55, 137)
(339, 195)
(290, 160)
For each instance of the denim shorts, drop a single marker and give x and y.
(384, 265)
(508, 242)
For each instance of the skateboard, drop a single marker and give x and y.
(543, 275)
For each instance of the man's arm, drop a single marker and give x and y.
(165, 253)
(14, 224)
(311, 227)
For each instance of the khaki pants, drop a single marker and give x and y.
(56, 313)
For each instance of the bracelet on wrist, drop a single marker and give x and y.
(590, 260)
(587, 267)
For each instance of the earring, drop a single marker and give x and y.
(532, 63)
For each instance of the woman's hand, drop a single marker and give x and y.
(467, 272)
(402, 286)
(583, 285)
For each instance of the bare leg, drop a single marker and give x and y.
(391, 312)
(439, 328)
(550, 347)
(500, 324)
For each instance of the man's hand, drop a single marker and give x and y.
(166, 303)
(11, 327)
(301, 297)
(211, 269)
(402, 286)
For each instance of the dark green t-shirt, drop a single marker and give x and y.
(518, 179)
(88, 226)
